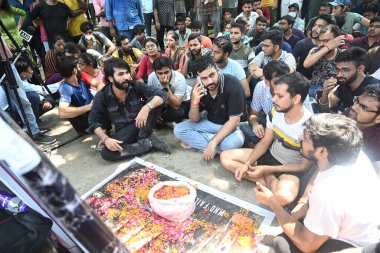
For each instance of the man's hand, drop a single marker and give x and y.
(164, 80)
(241, 172)
(89, 106)
(300, 210)
(158, 25)
(255, 71)
(258, 130)
(329, 84)
(142, 117)
(46, 105)
(336, 42)
(198, 93)
(263, 194)
(113, 144)
(256, 171)
(209, 152)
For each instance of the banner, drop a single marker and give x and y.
(219, 223)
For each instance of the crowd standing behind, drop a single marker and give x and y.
(238, 80)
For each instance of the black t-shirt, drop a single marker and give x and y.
(300, 52)
(230, 101)
(371, 138)
(346, 95)
(54, 19)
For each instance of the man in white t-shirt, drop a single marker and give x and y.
(221, 49)
(279, 163)
(174, 83)
(343, 204)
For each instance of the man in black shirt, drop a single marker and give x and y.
(222, 96)
(351, 80)
(123, 103)
(302, 48)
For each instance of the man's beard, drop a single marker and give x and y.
(349, 80)
(121, 86)
(283, 110)
(309, 155)
(196, 52)
(127, 51)
(236, 42)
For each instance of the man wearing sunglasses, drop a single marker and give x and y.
(351, 80)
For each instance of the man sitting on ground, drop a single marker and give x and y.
(343, 205)
(121, 103)
(140, 37)
(76, 98)
(222, 96)
(174, 83)
(279, 163)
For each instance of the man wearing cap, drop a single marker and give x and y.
(340, 8)
(299, 23)
(286, 4)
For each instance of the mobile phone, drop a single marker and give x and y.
(204, 88)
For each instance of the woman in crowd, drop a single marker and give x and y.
(89, 65)
(152, 53)
(7, 14)
(52, 59)
(173, 51)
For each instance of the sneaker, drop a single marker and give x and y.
(41, 138)
(159, 145)
(44, 130)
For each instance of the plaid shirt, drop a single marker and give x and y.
(209, 8)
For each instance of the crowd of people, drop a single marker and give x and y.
(284, 93)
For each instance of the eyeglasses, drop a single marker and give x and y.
(362, 107)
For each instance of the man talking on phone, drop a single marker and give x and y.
(222, 97)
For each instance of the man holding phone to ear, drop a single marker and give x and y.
(222, 96)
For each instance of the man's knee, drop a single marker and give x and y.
(285, 196)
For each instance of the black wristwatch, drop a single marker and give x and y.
(166, 89)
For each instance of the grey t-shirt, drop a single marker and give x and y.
(177, 84)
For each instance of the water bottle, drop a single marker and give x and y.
(12, 203)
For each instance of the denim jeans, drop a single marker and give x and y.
(24, 103)
(313, 90)
(128, 33)
(148, 23)
(199, 134)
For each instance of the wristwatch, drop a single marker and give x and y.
(166, 89)
(151, 107)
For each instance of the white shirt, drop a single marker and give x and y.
(177, 84)
(252, 18)
(261, 60)
(233, 68)
(344, 203)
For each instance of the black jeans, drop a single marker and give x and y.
(160, 35)
(80, 123)
(170, 114)
(135, 140)
(283, 244)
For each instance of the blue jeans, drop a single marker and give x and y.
(199, 134)
(128, 33)
(148, 23)
(25, 104)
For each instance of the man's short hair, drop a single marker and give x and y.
(356, 55)
(371, 7)
(288, 19)
(120, 39)
(111, 64)
(224, 43)
(140, 28)
(240, 26)
(194, 36)
(162, 62)
(297, 84)
(338, 134)
(330, 19)
(246, 2)
(67, 65)
(180, 19)
(335, 30)
(261, 19)
(375, 19)
(275, 36)
(196, 25)
(85, 26)
(21, 65)
(373, 91)
(275, 68)
(71, 48)
(226, 10)
(204, 62)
